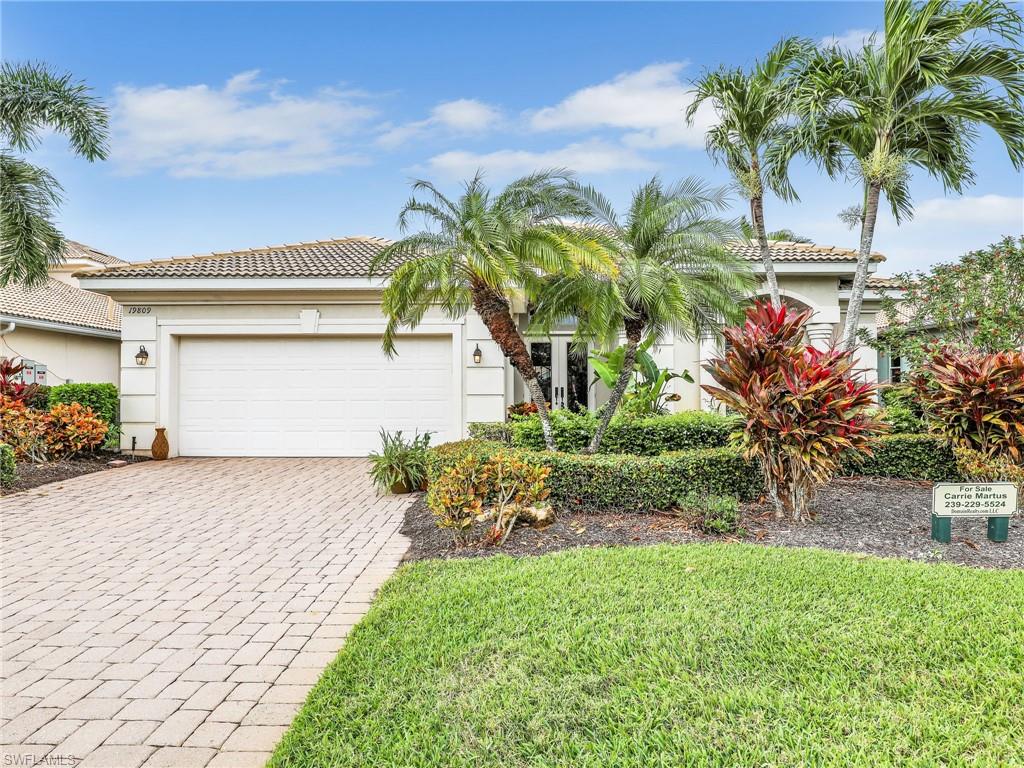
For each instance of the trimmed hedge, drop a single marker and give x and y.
(623, 482)
(497, 431)
(8, 467)
(651, 436)
(907, 457)
(102, 398)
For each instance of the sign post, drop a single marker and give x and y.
(996, 501)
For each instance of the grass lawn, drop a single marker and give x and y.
(697, 655)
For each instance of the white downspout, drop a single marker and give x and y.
(8, 328)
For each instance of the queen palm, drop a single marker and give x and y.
(480, 251)
(33, 98)
(752, 109)
(675, 272)
(913, 99)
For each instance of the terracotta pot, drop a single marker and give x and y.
(160, 448)
(400, 487)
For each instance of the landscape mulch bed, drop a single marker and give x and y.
(33, 475)
(887, 518)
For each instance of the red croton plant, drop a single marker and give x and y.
(804, 407)
(977, 400)
(10, 381)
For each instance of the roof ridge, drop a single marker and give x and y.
(245, 251)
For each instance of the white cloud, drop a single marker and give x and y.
(466, 115)
(649, 104)
(851, 39)
(942, 229)
(247, 128)
(985, 209)
(594, 156)
(462, 116)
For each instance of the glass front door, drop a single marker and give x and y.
(564, 375)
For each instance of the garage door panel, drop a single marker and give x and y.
(242, 396)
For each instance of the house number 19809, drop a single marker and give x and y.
(139, 310)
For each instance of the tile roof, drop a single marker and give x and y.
(875, 282)
(351, 256)
(75, 250)
(58, 302)
(344, 257)
(783, 250)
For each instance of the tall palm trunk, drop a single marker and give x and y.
(634, 331)
(757, 217)
(860, 278)
(496, 315)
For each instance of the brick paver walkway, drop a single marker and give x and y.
(176, 613)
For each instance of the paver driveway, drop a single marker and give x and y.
(177, 612)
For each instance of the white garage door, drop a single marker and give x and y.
(257, 396)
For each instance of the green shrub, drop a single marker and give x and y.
(623, 483)
(902, 395)
(102, 398)
(8, 469)
(401, 465)
(642, 437)
(41, 399)
(714, 514)
(976, 467)
(499, 431)
(902, 419)
(907, 457)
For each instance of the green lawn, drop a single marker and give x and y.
(700, 655)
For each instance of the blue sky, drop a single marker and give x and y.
(245, 124)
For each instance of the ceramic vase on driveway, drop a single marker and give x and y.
(160, 448)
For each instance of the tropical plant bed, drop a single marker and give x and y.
(697, 655)
(888, 518)
(32, 475)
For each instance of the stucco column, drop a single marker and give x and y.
(709, 348)
(867, 357)
(820, 335)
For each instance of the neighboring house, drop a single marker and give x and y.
(892, 368)
(75, 333)
(276, 351)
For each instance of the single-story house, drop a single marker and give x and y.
(74, 333)
(277, 351)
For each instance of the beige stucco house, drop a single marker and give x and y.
(276, 351)
(74, 333)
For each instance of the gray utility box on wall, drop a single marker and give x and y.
(33, 372)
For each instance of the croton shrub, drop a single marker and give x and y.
(63, 431)
(499, 490)
(977, 400)
(803, 408)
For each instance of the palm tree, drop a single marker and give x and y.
(752, 109)
(479, 251)
(675, 272)
(914, 99)
(35, 98)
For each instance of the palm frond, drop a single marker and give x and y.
(29, 243)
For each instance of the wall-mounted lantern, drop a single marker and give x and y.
(477, 355)
(142, 356)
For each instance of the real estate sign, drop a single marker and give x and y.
(996, 501)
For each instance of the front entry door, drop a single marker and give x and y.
(563, 374)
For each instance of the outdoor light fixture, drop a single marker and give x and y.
(477, 355)
(142, 356)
